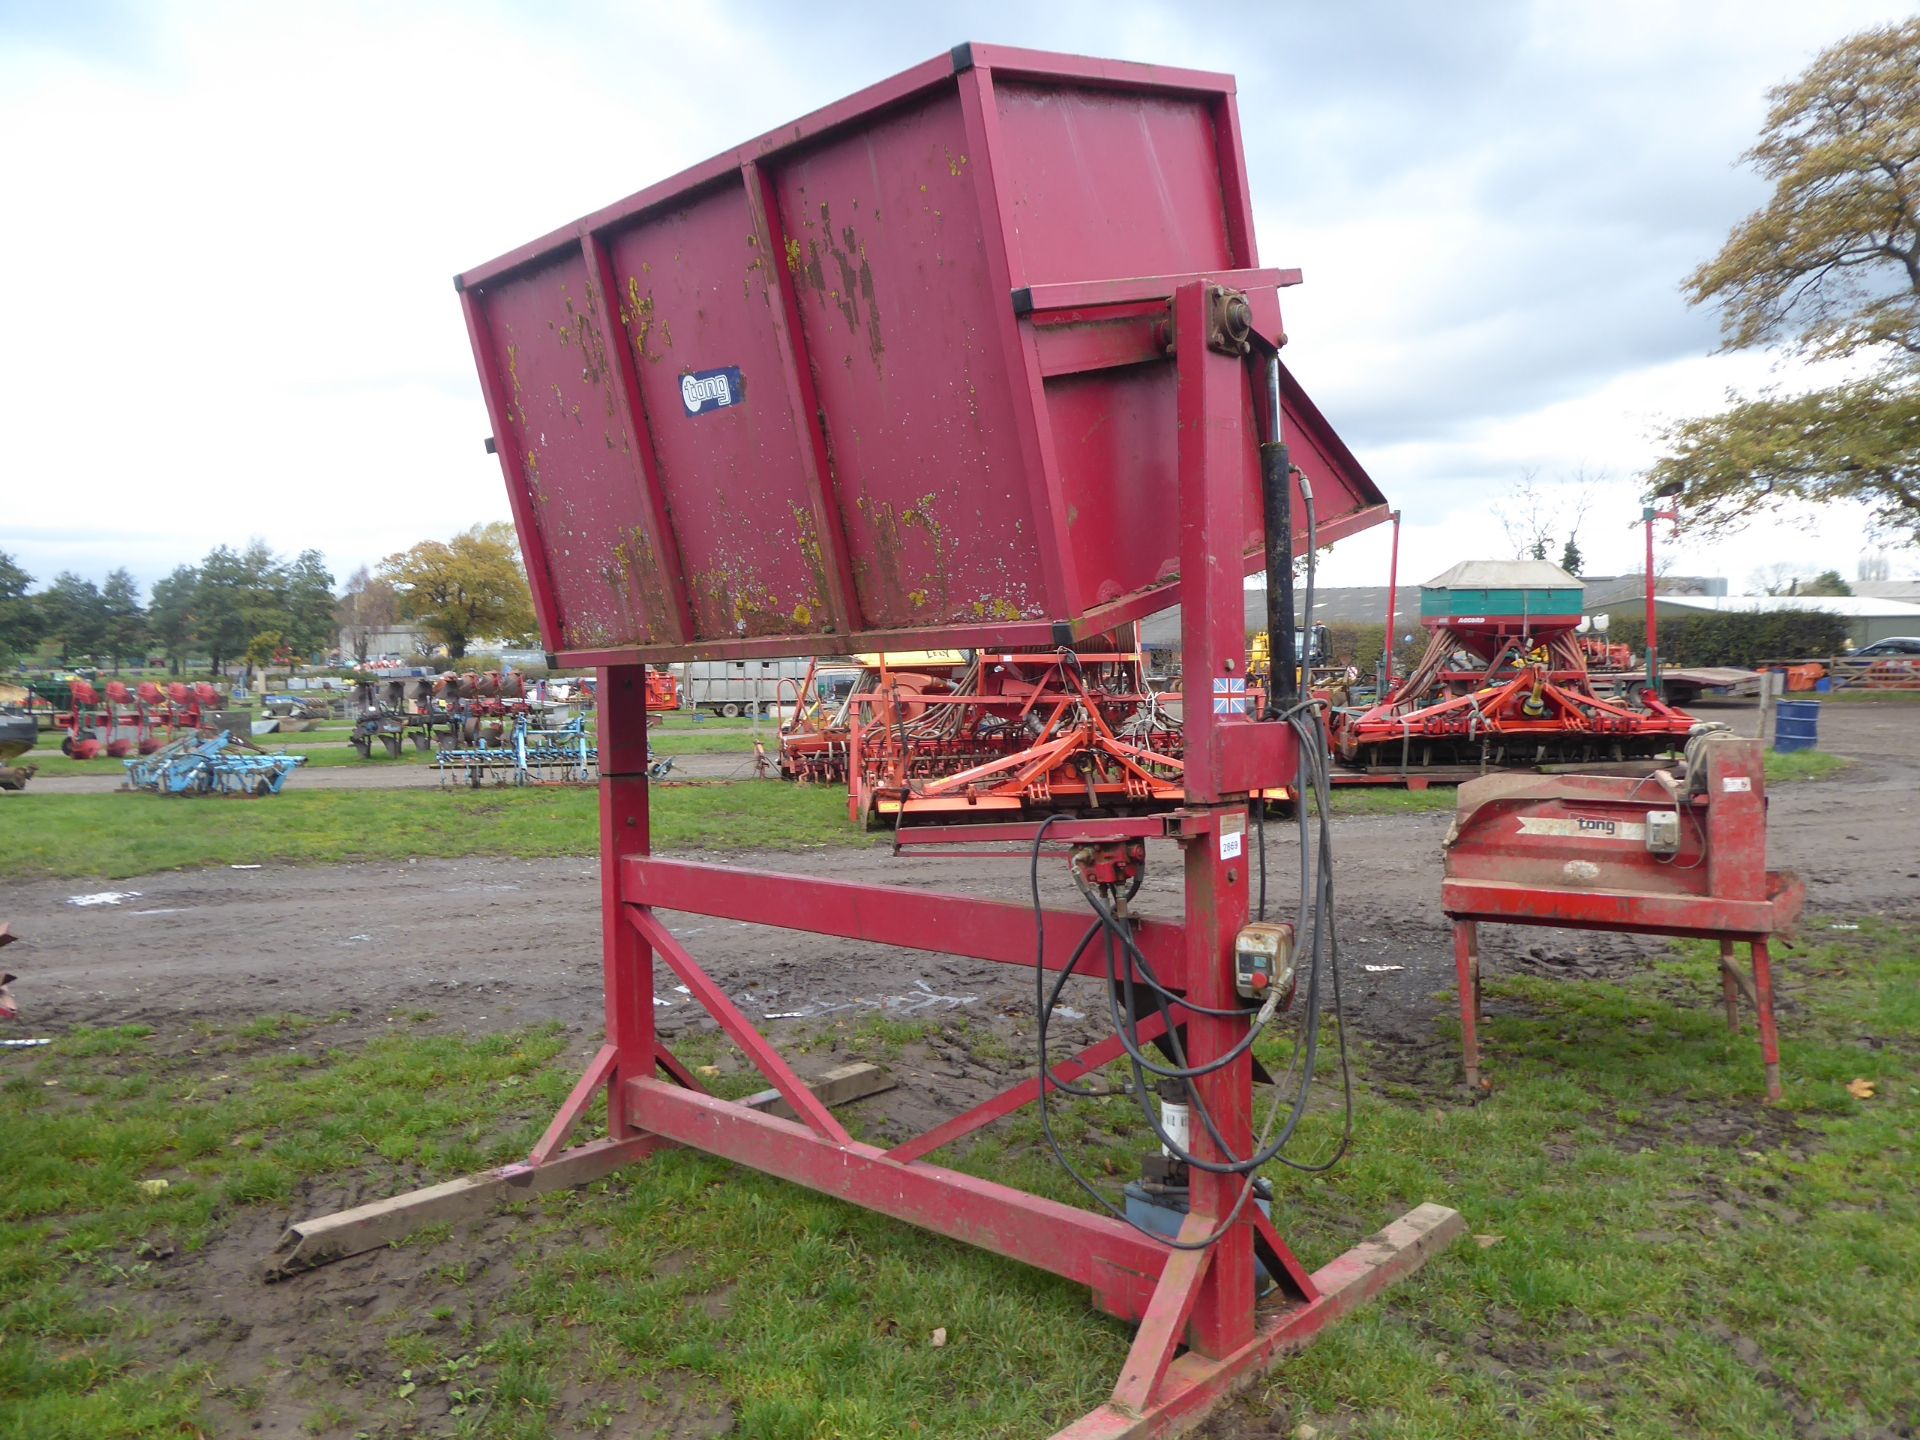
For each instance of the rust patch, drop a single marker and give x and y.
(996, 609)
(596, 364)
(851, 289)
(513, 375)
(633, 574)
(639, 319)
(889, 531)
(731, 600)
(807, 537)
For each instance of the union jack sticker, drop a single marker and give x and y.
(1230, 696)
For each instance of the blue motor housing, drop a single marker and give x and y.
(1162, 1209)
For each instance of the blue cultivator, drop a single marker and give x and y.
(220, 766)
(530, 755)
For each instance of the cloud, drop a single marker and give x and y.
(229, 310)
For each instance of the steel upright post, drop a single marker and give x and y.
(1212, 406)
(1647, 514)
(626, 959)
(1393, 604)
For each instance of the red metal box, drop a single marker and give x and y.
(893, 376)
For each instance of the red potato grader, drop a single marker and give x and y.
(138, 721)
(1049, 404)
(1504, 681)
(1681, 854)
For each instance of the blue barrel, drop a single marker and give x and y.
(1796, 725)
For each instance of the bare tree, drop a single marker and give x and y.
(1873, 565)
(368, 606)
(1543, 519)
(1774, 579)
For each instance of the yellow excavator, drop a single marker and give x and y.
(1316, 668)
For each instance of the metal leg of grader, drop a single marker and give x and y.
(1466, 966)
(1763, 1013)
(1758, 989)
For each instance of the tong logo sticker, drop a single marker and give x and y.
(705, 390)
(1582, 827)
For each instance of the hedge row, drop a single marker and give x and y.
(1728, 639)
(1738, 638)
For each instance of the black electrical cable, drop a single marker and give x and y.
(1315, 921)
(1045, 1002)
(1130, 1042)
(1315, 769)
(1317, 903)
(1232, 1217)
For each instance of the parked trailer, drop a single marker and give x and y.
(739, 687)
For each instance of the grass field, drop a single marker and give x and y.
(325, 745)
(1656, 1253)
(1870, 697)
(115, 835)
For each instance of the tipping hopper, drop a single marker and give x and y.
(886, 378)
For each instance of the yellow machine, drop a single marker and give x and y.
(1317, 667)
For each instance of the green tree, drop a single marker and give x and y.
(20, 617)
(306, 593)
(1858, 441)
(1827, 582)
(124, 622)
(470, 588)
(264, 649)
(236, 598)
(73, 615)
(170, 613)
(1570, 557)
(1830, 266)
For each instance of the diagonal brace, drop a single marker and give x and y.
(737, 1027)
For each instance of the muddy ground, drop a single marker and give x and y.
(490, 945)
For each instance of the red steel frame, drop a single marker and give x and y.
(1199, 1332)
(1202, 1300)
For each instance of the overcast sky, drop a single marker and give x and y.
(230, 232)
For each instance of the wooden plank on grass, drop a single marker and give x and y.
(320, 1241)
(839, 1086)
